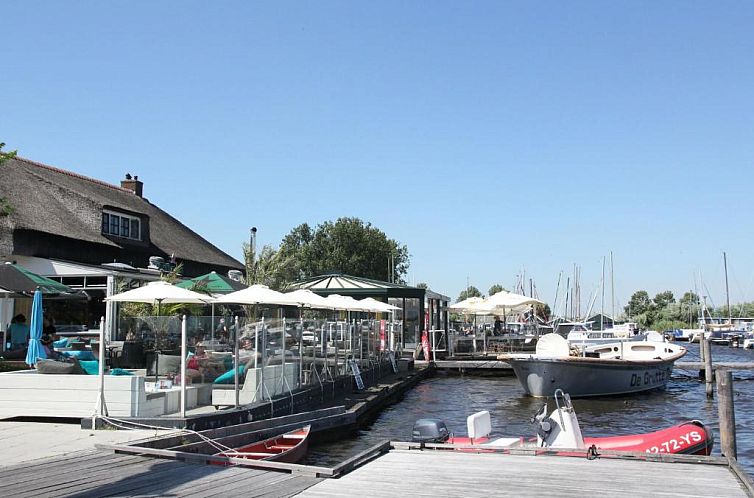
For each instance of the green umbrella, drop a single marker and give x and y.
(19, 280)
(212, 283)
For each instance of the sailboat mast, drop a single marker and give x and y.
(612, 285)
(602, 285)
(727, 293)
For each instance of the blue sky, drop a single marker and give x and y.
(489, 137)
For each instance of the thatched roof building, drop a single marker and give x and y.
(59, 214)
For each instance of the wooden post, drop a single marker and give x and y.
(708, 373)
(726, 414)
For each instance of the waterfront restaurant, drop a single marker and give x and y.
(417, 305)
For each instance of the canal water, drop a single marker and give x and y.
(452, 397)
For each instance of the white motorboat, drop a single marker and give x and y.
(599, 370)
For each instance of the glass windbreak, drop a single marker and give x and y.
(234, 361)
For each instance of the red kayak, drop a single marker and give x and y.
(289, 447)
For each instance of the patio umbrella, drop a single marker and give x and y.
(20, 281)
(213, 283)
(35, 350)
(505, 300)
(378, 306)
(160, 292)
(306, 299)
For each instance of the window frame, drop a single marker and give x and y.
(119, 224)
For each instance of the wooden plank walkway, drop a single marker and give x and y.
(94, 474)
(436, 474)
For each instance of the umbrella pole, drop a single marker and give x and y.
(183, 366)
(101, 407)
(301, 346)
(264, 353)
(212, 329)
(282, 361)
(235, 361)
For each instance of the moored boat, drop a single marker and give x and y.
(289, 447)
(600, 370)
(562, 430)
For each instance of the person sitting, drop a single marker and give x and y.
(498, 329)
(19, 332)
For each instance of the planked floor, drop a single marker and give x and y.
(93, 474)
(436, 474)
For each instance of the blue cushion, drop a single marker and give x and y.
(117, 371)
(62, 343)
(230, 376)
(90, 367)
(81, 355)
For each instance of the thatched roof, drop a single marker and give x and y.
(66, 207)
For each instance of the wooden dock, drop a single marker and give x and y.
(436, 474)
(95, 474)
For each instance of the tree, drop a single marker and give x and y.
(422, 285)
(5, 207)
(495, 289)
(663, 299)
(348, 246)
(471, 291)
(638, 304)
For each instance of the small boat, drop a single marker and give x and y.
(289, 447)
(599, 370)
(562, 430)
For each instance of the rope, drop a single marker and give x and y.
(119, 424)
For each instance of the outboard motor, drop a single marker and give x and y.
(430, 430)
(561, 429)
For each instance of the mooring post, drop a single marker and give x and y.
(708, 372)
(726, 414)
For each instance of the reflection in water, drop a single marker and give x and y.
(452, 398)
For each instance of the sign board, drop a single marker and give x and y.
(425, 346)
(391, 356)
(356, 374)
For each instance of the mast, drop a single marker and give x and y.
(612, 285)
(602, 285)
(727, 293)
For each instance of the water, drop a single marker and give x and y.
(452, 398)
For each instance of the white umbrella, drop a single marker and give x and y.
(257, 294)
(305, 298)
(507, 301)
(346, 303)
(162, 292)
(470, 305)
(376, 306)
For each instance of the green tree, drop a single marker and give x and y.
(495, 289)
(663, 299)
(639, 304)
(5, 207)
(348, 245)
(471, 291)
(422, 285)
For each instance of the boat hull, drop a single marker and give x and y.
(585, 377)
(288, 448)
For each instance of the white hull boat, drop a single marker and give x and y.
(600, 370)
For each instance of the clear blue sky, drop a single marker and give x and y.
(486, 136)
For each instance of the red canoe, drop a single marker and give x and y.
(289, 447)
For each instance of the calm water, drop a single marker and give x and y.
(452, 398)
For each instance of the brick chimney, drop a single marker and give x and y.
(132, 184)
